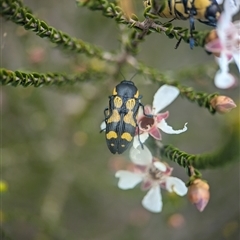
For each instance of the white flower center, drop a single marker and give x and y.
(154, 173)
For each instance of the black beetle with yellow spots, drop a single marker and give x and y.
(120, 116)
(205, 11)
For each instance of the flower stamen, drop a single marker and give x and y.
(155, 173)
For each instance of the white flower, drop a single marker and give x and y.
(153, 174)
(226, 45)
(150, 126)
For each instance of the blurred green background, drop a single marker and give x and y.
(59, 172)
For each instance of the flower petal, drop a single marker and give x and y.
(155, 133)
(163, 97)
(201, 204)
(140, 113)
(142, 137)
(231, 7)
(103, 126)
(128, 180)
(237, 26)
(147, 109)
(219, 1)
(140, 156)
(146, 184)
(176, 185)
(161, 116)
(168, 129)
(236, 57)
(224, 80)
(223, 62)
(160, 166)
(214, 46)
(153, 200)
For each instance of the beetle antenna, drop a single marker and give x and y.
(133, 76)
(122, 75)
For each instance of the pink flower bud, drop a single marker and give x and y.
(198, 194)
(212, 39)
(223, 104)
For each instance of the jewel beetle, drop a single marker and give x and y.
(120, 116)
(205, 11)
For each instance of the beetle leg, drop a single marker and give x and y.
(106, 117)
(192, 28)
(213, 24)
(172, 20)
(102, 130)
(147, 115)
(139, 138)
(105, 113)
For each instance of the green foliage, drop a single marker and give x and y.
(37, 80)
(100, 67)
(19, 14)
(14, 11)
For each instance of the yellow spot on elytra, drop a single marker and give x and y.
(111, 134)
(118, 102)
(127, 136)
(115, 117)
(136, 94)
(128, 118)
(114, 91)
(130, 104)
